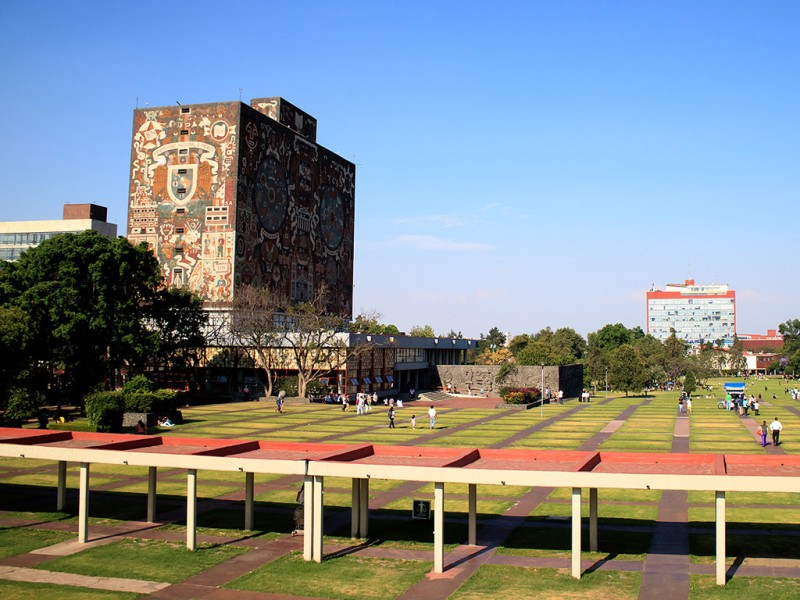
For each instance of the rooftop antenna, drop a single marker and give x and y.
(178, 103)
(137, 101)
(240, 94)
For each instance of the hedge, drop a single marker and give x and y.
(104, 411)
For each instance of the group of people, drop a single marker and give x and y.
(392, 414)
(548, 395)
(774, 428)
(794, 392)
(685, 403)
(743, 404)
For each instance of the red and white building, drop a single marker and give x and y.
(698, 313)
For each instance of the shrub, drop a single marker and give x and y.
(520, 395)
(288, 385)
(158, 401)
(138, 385)
(22, 405)
(104, 411)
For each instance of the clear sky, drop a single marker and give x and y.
(520, 164)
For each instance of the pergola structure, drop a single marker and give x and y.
(578, 470)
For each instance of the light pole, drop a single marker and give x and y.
(606, 382)
(541, 397)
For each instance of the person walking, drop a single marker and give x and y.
(391, 417)
(432, 416)
(775, 427)
(561, 396)
(413, 421)
(279, 401)
(762, 431)
(688, 404)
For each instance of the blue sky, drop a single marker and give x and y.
(520, 164)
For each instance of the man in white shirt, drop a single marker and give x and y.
(775, 427)
(432, 416)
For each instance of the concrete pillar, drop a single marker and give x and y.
(593, 519)
(308, 517)
(83, 504)
(191, 509)
(473, 515)
(363, 517)
(719, 506)
(355, 507)
(249, 487)
(438, 527)
(316, 551)
(151, 494)
(576, 533)
(61, 489)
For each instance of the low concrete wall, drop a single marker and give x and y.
(477, 379)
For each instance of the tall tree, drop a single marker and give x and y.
(256, 329)
(626, 370)
(86, 297)
(317, 340)
(736, 360)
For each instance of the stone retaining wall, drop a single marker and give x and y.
(480, 379)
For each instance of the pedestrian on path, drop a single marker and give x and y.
(762, 431)
(561, 396)
(688, 404)
(432, 416)
(391, 417)
(775, 427)
(413, 421)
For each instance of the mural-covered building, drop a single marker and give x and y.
(228, 194)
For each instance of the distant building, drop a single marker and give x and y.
(757, 342)
(18, 236)
(228, 194)
(698, 313)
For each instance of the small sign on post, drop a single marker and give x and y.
(421, 509)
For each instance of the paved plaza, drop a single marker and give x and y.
(659, 544)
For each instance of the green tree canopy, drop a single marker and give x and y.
(422, 331)
(626, 371)
(92, 306)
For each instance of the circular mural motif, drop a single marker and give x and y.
(331, 218)
(271, 198)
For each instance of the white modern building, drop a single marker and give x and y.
(18, 236)
(698, 313)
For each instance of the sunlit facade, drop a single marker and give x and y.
(698, 313)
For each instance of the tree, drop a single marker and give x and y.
(178, 318)
(541, 352)
(518, 342)
(610, 336)
(790, 330)
(255, 329)
(651, 351)
(626, 370)
(675, 356)
(570, 342)
(14, 340)
(689, 383)
(317, 340)
(94, 306)
(87, 299)
(369, 322)
(736, 360)
(425, 331)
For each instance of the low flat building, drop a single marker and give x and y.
(18, 236)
